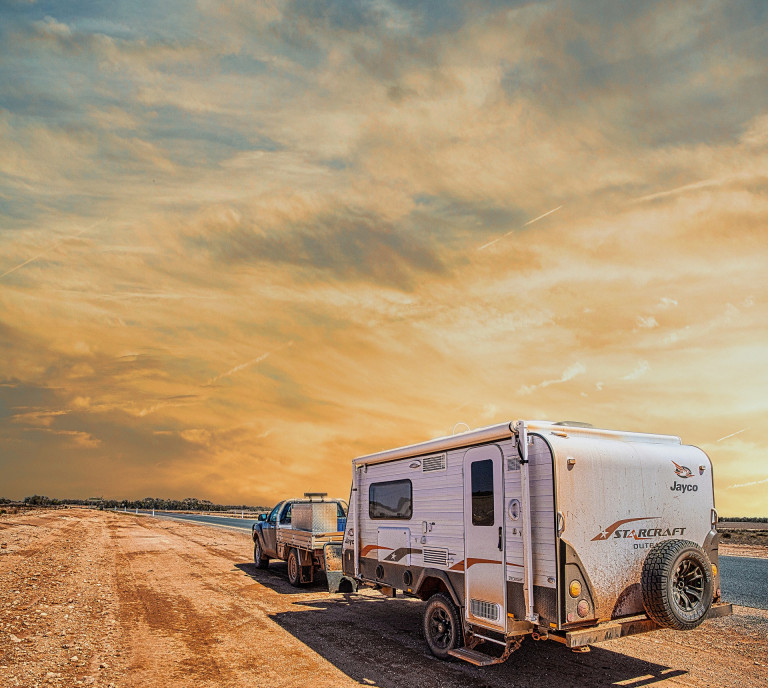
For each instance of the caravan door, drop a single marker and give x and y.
(484, 579)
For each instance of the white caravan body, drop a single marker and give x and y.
(530, 526)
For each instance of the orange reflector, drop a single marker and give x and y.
(574, 589)
(714, 569)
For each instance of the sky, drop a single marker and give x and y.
(242, 243)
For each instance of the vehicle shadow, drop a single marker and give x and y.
(275, 577)
(377, 641)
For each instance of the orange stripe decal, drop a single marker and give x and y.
(465, 564)
(472, 562)
(369, 548)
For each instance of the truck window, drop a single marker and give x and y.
(285, 517)
(340, 513)
(482, 493)
(391, 499)
(273, 515)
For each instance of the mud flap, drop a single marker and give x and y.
(337, 581)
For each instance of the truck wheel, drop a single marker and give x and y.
(294, 568)
(677, 584)
(259, 558)
(442, 625)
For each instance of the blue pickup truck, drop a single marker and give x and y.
(297, 530)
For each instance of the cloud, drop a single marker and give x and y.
(646, 322)
(247, 364)
(530, 222)
(568, 374)
(733, 434)
(347, 244)
(82, 440)
(749, 484)
(641, 369)
(48, 249)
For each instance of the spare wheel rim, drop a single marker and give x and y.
(688, 585)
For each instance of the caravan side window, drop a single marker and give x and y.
(482, 493)
(391, 499)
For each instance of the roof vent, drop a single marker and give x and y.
(433, 463)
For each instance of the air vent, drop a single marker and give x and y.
(484, 610)
(437, 556)
(433, 463)
(513, 463)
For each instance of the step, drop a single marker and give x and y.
(474, 657)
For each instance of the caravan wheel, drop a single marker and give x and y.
(677, 584)
(442, 625)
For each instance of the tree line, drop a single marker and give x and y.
(157, 503)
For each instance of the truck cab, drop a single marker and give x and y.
(280, 516)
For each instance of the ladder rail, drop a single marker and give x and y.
(522, 443)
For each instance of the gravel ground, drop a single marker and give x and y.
(105, 599)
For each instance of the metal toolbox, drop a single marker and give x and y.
(315, 517)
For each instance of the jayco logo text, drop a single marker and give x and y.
(680, 487)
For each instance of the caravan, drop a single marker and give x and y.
(556, 530)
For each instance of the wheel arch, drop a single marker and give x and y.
(432, 581)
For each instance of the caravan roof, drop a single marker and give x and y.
(500, 431)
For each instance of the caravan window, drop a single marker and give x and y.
(482, 493)
(391, 499)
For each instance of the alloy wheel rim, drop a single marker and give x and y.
(440, 628)
(688, 585)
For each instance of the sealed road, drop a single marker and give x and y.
(744, 581)
(229, 521)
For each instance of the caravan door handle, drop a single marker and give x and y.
(500, 543)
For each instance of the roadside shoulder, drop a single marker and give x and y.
(735, 550)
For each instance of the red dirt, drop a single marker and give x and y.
(105, 599)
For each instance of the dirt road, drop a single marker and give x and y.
(104, 599)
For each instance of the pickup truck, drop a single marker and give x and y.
(297, 530)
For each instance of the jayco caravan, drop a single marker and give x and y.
(556, 530)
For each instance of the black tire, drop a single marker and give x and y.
(442, 625)
(294, 568)
(259, 558)
(677, 584)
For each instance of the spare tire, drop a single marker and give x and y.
(677, 584)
